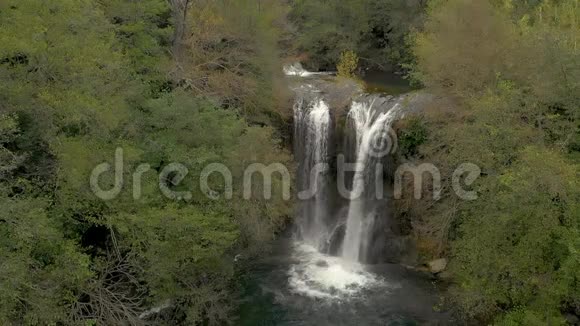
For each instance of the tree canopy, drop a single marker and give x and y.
(83, 78)
(512, 69)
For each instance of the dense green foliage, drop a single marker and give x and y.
(513, 70)
(376, 30)
(198, 82)
(413, 133)
(234, 45)
(347, 64)
(81, 78)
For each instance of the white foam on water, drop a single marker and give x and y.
(321, 276)
(296, 69)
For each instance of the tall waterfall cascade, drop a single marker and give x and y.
(373, 141)
(312, 132)
(335, 236)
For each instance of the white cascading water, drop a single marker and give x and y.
(372, 137)
(296, 69)
(327, 277)
(314, 272)
(312, 129)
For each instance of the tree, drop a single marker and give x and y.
(144, 32)
(527, 241)
(507, 66)
(41, 270)
(231, 56)
(347, 64)
(376, 29)
(82, 79)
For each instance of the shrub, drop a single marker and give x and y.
(347, 64)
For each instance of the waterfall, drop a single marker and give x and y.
(369, 120)
(312, 137)
(371, 127)
(336, 236)
(296, 69)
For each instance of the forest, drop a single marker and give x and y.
(200, 82)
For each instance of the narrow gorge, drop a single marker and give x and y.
(333, 263)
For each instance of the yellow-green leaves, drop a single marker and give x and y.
(347, 64)
(513, 66)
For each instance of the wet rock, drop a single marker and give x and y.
(336, 237)
(394, 249)
(321, 263)
(437, 265)
(332, 290)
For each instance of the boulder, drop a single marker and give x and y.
(321, 263)
(437, 265)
